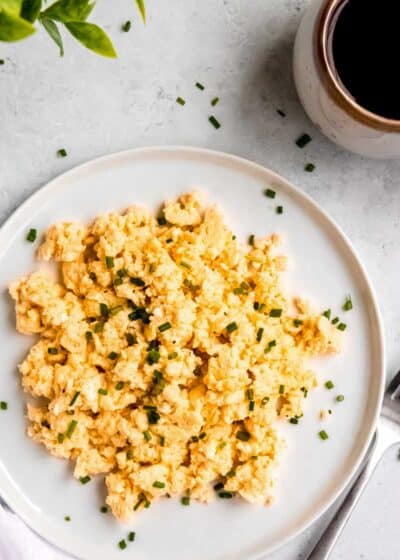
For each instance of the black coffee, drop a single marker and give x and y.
(366, 54)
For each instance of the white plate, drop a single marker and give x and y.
(324, 268)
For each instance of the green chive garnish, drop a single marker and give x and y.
(158, 484)
(162, 441)
(73, 400)
(329, 385)
(126, 27)
(153, 416)
(219, 486)
(129, 455)
(118, 281)
(3, 405)
(71, 427)
(32, 234)
(113, 356)
(342, 326)
(214, 101)
(264, 401)
(152, 357)
(130, 339)
(110, 262)
(271, 344)
(172, 355)
(104, 509)
(323, 435)
(294, 420)
(138, 282)
(60, 438)
(62, 152)
(226, 495)
(185, 500)
(102, 392)
(164, 327)
(119, 386)
(122, 272)
(250, 394)
(275, 313)
(310, 167)
(93, 276)
(269, 193)
(231, 327)
(335, 321)
(260, 333)
(161, 221)
(118, 308)
(122, 544)
(180, 101)
(131, 536)
(147, 435)
(340, 398)
(216, 124)
(89, 335)
(305, 391)
(53, 351)
(279, 209)
(297, 323)
(67, 518)
(281, 389)
(199, 86)
(251, 240)
(84, 479)
(1, 61)
(243, 435)
(104, 312)
(327, 313)
(251, 406)
(185, 265)
(348, 304)
(303, 140)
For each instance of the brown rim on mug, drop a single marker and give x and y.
(327, 18)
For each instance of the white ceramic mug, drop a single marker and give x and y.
(326, 100)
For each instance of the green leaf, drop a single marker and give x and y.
(69, 10)
(54, 33)
(31, 9)
(92, 37)
(142, 9)
(13, 28)
(11, 6)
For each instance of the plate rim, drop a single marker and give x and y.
(12, 494)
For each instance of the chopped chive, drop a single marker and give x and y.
(138, 282)
(264, 401)
(202, 435)
(104, 312)
(329, 385)
(153, 417)
(256, 306)
(180, 101)
(73, 400)
(327, 314)
(185, 500)
(147, 435)
(269, 193)
(305, 391)
(130, 339)
(45, 424)
(152, 357)
(219, 486)
(67, 518)
(342, 326)
(122, 272)
(110, 262)
(53, 351)
(140, 313)
(294, 420)
(275, 313)
(251, 240)
(158, 484)
(32, 234)
(243, 435)
(271, 344)
(131, 536)
(303, 140)
(71, 427)
(281, 113)
(297, 323)
(118, 308)
(152, 267)
(1, 61)
(118, 281)
(169, 240)
(185, 264)
(162, 441)
(89, 335)
(126, 27)
(129, 455)
(93, 276)
(251, 406)
(310, 167)
(348, 304)
(340, 398)
(60, 438)
(216, 124)
(231, 327)
(250, 394)
(102, 392)
(119, 386)
(3, 405)
(214, 101)
(161, 221)
(172, 355)
(113, 356)
(335, 320)
(199, 86)
(323, 434)
(104, 509)
(281, 389)
(122, 544)
(260, 333)
(225, 494)
(84, 479)
(164, 327)
(62, 152)
(279, 209)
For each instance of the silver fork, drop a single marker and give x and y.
(387, 434)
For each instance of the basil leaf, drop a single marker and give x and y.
(92, 37)
(54, 33)
(13, 28)
(31, 9)
(12, 6)
(69, 10)
(142, 9)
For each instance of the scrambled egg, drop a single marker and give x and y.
(167, 353)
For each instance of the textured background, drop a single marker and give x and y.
(241, 51)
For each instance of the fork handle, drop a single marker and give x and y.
(382, 440)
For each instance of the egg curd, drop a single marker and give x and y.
(167, 354)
